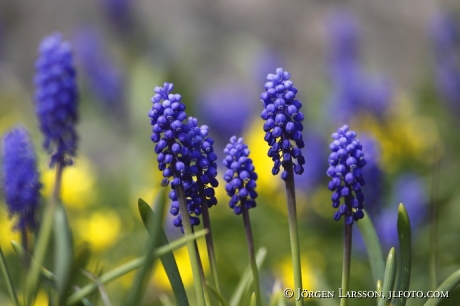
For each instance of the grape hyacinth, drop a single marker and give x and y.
(283, 122)
(184, 151)
(56, 98)
(240, 176)
(345, 169)
(20, 178)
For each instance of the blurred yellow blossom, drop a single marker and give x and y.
(77, 190)
(159, 277)
(100, 229)
(285, 271)
(405, 135)
(6, 230)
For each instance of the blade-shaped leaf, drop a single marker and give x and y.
(7, 278)
(138, 288)
(132, 265)
(168, 260)
(404, 267)
(450, 283)
(374, 249)
(390, 276)
(63, 253)
(246, 278)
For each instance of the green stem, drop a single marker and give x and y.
(293, 231)
(43, 238)
(25, 246)
(7, 278)
(252, 255)
(190, 245)
(346, 263)
(209, 240)
(434, 228)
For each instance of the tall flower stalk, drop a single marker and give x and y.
(56, 102)
(345, 169)
(283, 127)
(241, 183)
(179, 147)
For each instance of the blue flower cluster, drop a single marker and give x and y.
(21, 178)
(283, 125)
(240, 176)
(184, 152)
(345, 169)
(56, 98)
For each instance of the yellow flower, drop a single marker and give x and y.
(77, 183)
(6, 231)
(284, 269)
(101, 229)
(159, 277)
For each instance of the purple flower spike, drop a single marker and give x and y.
(345, 169)
(185, 154)
(20, 178)
(283, 122)
(240, 177)
(56, 98)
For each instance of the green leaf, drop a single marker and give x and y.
(138, 288)
(63, 253)
(132, 265)
(253, 299)
(374, 249)
(168, 260)
(39, 254)
(404, 268)
(7, 278)
(246, 278)
(450, 283)
(390, 276)
(216, 294)
(277, 298)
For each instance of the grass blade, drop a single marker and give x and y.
(450, 283)
(168, 260)
(216, 294)
(246, 278)
(138, 288)
(130, 266)
(390, 276)
(374, 249)
(7, 278)
(404, 235)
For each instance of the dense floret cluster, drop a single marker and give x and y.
(240, 176)
(345, 169)
(283, 122)
(56, 98)
(184, 152)
(21, 178)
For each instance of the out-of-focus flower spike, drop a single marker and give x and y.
(21, 178)
(56, 98)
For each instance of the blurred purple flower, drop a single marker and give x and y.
(56, 98)
(445, 32)
(120, 13)
(373, 174)
(314, 162)
(103, 77)
(20, 178)
(352, 90)
(409, 189)
(226, 108)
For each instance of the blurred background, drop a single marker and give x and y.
(388, 69)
